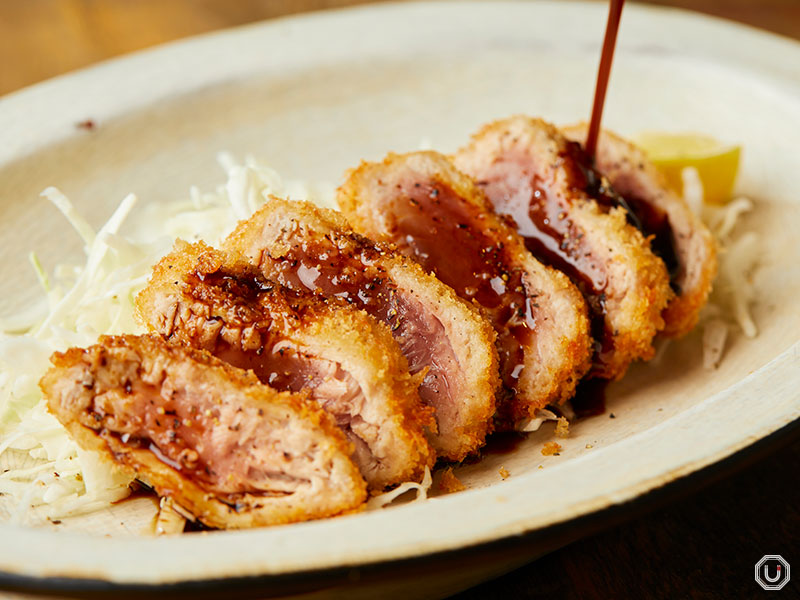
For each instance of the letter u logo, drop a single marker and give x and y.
(777, 574)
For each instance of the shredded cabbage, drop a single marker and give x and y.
(43, 473)
(422, 488)
(170, 520)
(733, 292)
(542, 415)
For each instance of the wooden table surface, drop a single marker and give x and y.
(703, 546)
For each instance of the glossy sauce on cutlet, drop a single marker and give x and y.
(645, 216)
(248, 286)
(172, 451)
(351, 275)
(345, 267)
(249, 295)
(542, 219)
(275, 362)
(444, 233)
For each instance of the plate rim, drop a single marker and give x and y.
(787, 359)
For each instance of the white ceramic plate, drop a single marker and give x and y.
(312, 96)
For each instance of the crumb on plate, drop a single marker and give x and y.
(551, 449)
(562, 427)
(449, 483)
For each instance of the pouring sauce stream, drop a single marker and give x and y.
(603, 73)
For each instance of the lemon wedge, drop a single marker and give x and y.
(716, 163)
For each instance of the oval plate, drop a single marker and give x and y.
(312, 96)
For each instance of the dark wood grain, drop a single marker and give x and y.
(778, 16)
(704, 546)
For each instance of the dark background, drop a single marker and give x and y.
(703, 545)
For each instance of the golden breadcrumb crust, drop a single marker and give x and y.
(449, 483)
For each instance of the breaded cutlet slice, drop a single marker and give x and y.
(231, 451)
(436, 215)
(309, 249)
(570, 220)
(348, 362)
(680, 238)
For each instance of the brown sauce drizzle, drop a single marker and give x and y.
(590, 398)
(247, 286)
(643, 215)
(173, 431)
(542, 219)
(498, 443)
(168, 452)
(276, 362)
(603, 73)
(281, 366)
(346, 267)
(248, 296)
(351, 275)
(651, 221)
(445, 234)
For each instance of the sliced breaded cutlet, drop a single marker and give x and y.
(679, 237)
(348, 362)
(231, 451)
(570, 220)
(440, 218)
(309, 249)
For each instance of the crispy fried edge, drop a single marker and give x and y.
(693, 237)
(554, 385)
(478, 357)
(171, 483)
(638, 317)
